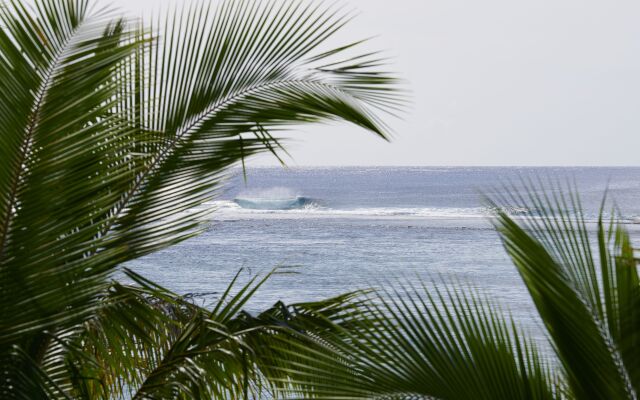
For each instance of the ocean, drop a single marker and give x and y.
(343, 229)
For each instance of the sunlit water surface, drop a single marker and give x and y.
(350, 228)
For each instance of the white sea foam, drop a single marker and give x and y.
(226, 208)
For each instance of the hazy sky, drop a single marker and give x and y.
(495, 82)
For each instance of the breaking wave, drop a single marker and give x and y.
(274, 204)
(277, 198)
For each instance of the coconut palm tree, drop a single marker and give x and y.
(110, 130)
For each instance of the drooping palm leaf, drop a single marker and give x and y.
(587, 302)
(52, 180)
(444, 344)
(56, 137)
(219, 83)
(110, 132)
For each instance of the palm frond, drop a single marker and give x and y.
(586, 302)
(219, 84)
(174, 348)
(53, 181)
(110, 132)
(448, 343)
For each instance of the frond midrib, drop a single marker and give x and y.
(27, 142)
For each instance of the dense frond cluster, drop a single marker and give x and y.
(111, 130)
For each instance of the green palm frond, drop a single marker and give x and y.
(586, 300)
(52, 182)
(147, 342)
(448, 343)
(221, 82)
(111, 132)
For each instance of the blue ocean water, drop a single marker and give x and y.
(351, 228)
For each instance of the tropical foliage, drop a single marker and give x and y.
(448, 340)
(110, 131)
(452, 342)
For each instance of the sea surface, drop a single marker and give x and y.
(343, 229)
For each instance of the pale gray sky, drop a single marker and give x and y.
(495, 82)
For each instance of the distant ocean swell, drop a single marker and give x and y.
(300, 206)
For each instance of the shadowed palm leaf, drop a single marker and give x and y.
(187, 351)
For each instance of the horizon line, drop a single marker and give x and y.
(249, 165)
